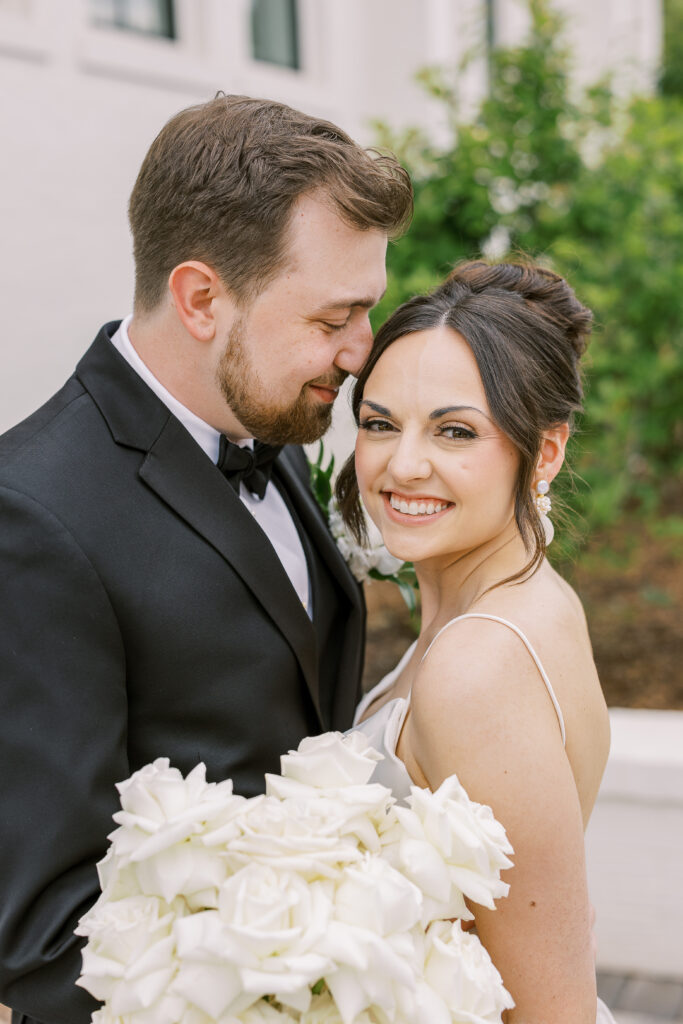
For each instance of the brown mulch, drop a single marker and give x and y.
(631, 584)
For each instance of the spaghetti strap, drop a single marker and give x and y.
(527, 644)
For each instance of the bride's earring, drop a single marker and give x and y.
(543, 506)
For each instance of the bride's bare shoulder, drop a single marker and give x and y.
(484, 676)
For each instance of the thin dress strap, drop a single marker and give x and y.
(527, 644)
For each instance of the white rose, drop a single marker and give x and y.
(373, 895)
(167, 1008)
(451, 848)
(459, 970)
(386, 563)
(372, 972)
(330, 760)
(129, 959)
(158, 795)
(161, 843)
(358, 812)
(283, 835)
(359, 559)
(263, 940)
(264, 1013)
(373, 941)
(323, 1010)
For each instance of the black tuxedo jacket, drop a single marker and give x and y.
(143, 613)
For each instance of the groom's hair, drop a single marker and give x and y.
(220, 180)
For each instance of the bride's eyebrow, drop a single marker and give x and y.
(382, 410)
(438, 413)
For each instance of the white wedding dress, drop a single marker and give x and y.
(383, 728)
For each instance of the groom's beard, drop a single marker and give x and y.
(302, 422)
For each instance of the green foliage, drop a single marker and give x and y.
(321, 480)
(620, 243)
(406, 580)
(596, 192)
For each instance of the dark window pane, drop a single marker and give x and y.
(275, 32)
(491, 40)
(151, 17)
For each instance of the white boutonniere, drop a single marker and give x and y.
(374, 562)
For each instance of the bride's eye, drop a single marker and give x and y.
(456, 432)
(375, 426)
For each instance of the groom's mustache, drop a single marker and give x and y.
(332, 381)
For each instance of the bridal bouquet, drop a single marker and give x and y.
(320, 902)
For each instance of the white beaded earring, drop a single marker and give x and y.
(543, 506)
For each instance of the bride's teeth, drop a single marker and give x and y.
(416, 508)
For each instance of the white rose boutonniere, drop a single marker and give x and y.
(374, 562)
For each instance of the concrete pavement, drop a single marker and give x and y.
(637, 999)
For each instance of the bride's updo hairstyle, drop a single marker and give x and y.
(527, 332)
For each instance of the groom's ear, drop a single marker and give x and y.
(552, 451)
(196, 291)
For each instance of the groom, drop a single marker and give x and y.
(169, 587)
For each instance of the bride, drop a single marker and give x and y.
(464, 410)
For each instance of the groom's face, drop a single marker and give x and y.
(287, 353)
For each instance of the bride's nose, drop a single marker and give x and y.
(409, 459)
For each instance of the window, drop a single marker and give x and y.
(151, 17)
(275, 32)
(490, 8)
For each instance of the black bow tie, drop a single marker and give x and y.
(247, 466)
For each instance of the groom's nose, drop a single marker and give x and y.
(355, 347)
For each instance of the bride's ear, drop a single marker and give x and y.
(552, 451)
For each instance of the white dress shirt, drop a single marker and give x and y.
(271, 513)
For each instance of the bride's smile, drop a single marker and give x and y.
(437, 474)
(416, 506)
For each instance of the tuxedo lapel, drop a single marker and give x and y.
(339, 610)
(184, 478)
(314, 523)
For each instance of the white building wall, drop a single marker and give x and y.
(634, 845)
(80, 106)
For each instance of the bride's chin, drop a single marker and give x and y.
(407, 548)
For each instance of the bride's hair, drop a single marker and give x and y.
(527, 332)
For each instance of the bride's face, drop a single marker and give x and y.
(436, 474)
